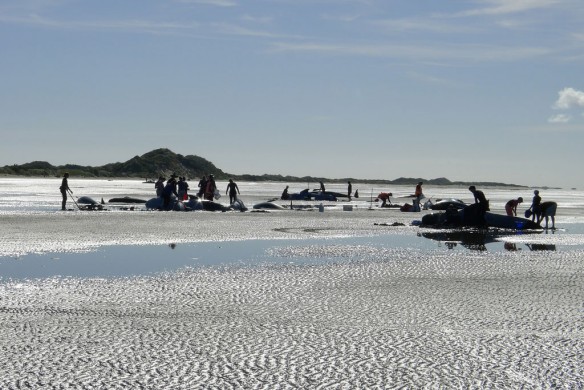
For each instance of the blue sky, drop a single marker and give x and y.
(486, 90)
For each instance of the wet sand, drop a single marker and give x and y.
(387, 317)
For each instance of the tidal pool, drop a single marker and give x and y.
(140, 260)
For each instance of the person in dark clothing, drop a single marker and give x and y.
(535, 206)
(64, 188)
(322, 189)
(169, 190)
(233, 190)
(479, 198)
(349, 190)
(202, 186)
(183, 188)
(285, 195)
(159, 186)
(475, 213)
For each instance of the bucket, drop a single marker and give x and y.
(321, 208)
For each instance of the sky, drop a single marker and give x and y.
(485, 90)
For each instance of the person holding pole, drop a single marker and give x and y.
(64, 188)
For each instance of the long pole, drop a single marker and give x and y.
(74, 201)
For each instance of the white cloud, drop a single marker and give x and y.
(559, 118)
(569, 98)
(504, 7)
(471, 53)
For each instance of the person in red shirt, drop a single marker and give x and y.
(384, 196)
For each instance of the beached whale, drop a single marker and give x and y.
(443, 204)
(86, 200)
(302, 195)
(238, 205)
(195, 203)
(267, 206)
(158, 204)
(306, 194)
(468, 217)
(126, 199)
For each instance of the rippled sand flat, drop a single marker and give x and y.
(387, 317)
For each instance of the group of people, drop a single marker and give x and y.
(537, 211)
(208, 191)
(178, 188)
(207, 188)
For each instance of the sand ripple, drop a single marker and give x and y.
(388, 318)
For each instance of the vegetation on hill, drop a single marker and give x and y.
(164, 162)
(150, 165)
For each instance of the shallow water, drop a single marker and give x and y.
(141, 260)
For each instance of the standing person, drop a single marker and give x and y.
(349, 190)
(159, 186)
(183, 187)
(64, 188)
(169, 190)
(418, 192)
(210, 188)
(322, 189)
(547, 210)
(285, 195)
(535, 206)
(233, 190)
(202, 186)
(511, 206)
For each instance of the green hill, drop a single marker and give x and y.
(150, 165)
(165, 162)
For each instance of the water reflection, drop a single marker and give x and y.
(480, 240)
(134, 260)
(470, 239)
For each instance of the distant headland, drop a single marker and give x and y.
(163, 162)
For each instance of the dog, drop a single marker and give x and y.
(547, 210)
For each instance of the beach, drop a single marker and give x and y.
(308, 299)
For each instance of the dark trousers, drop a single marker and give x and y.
(64, 202)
